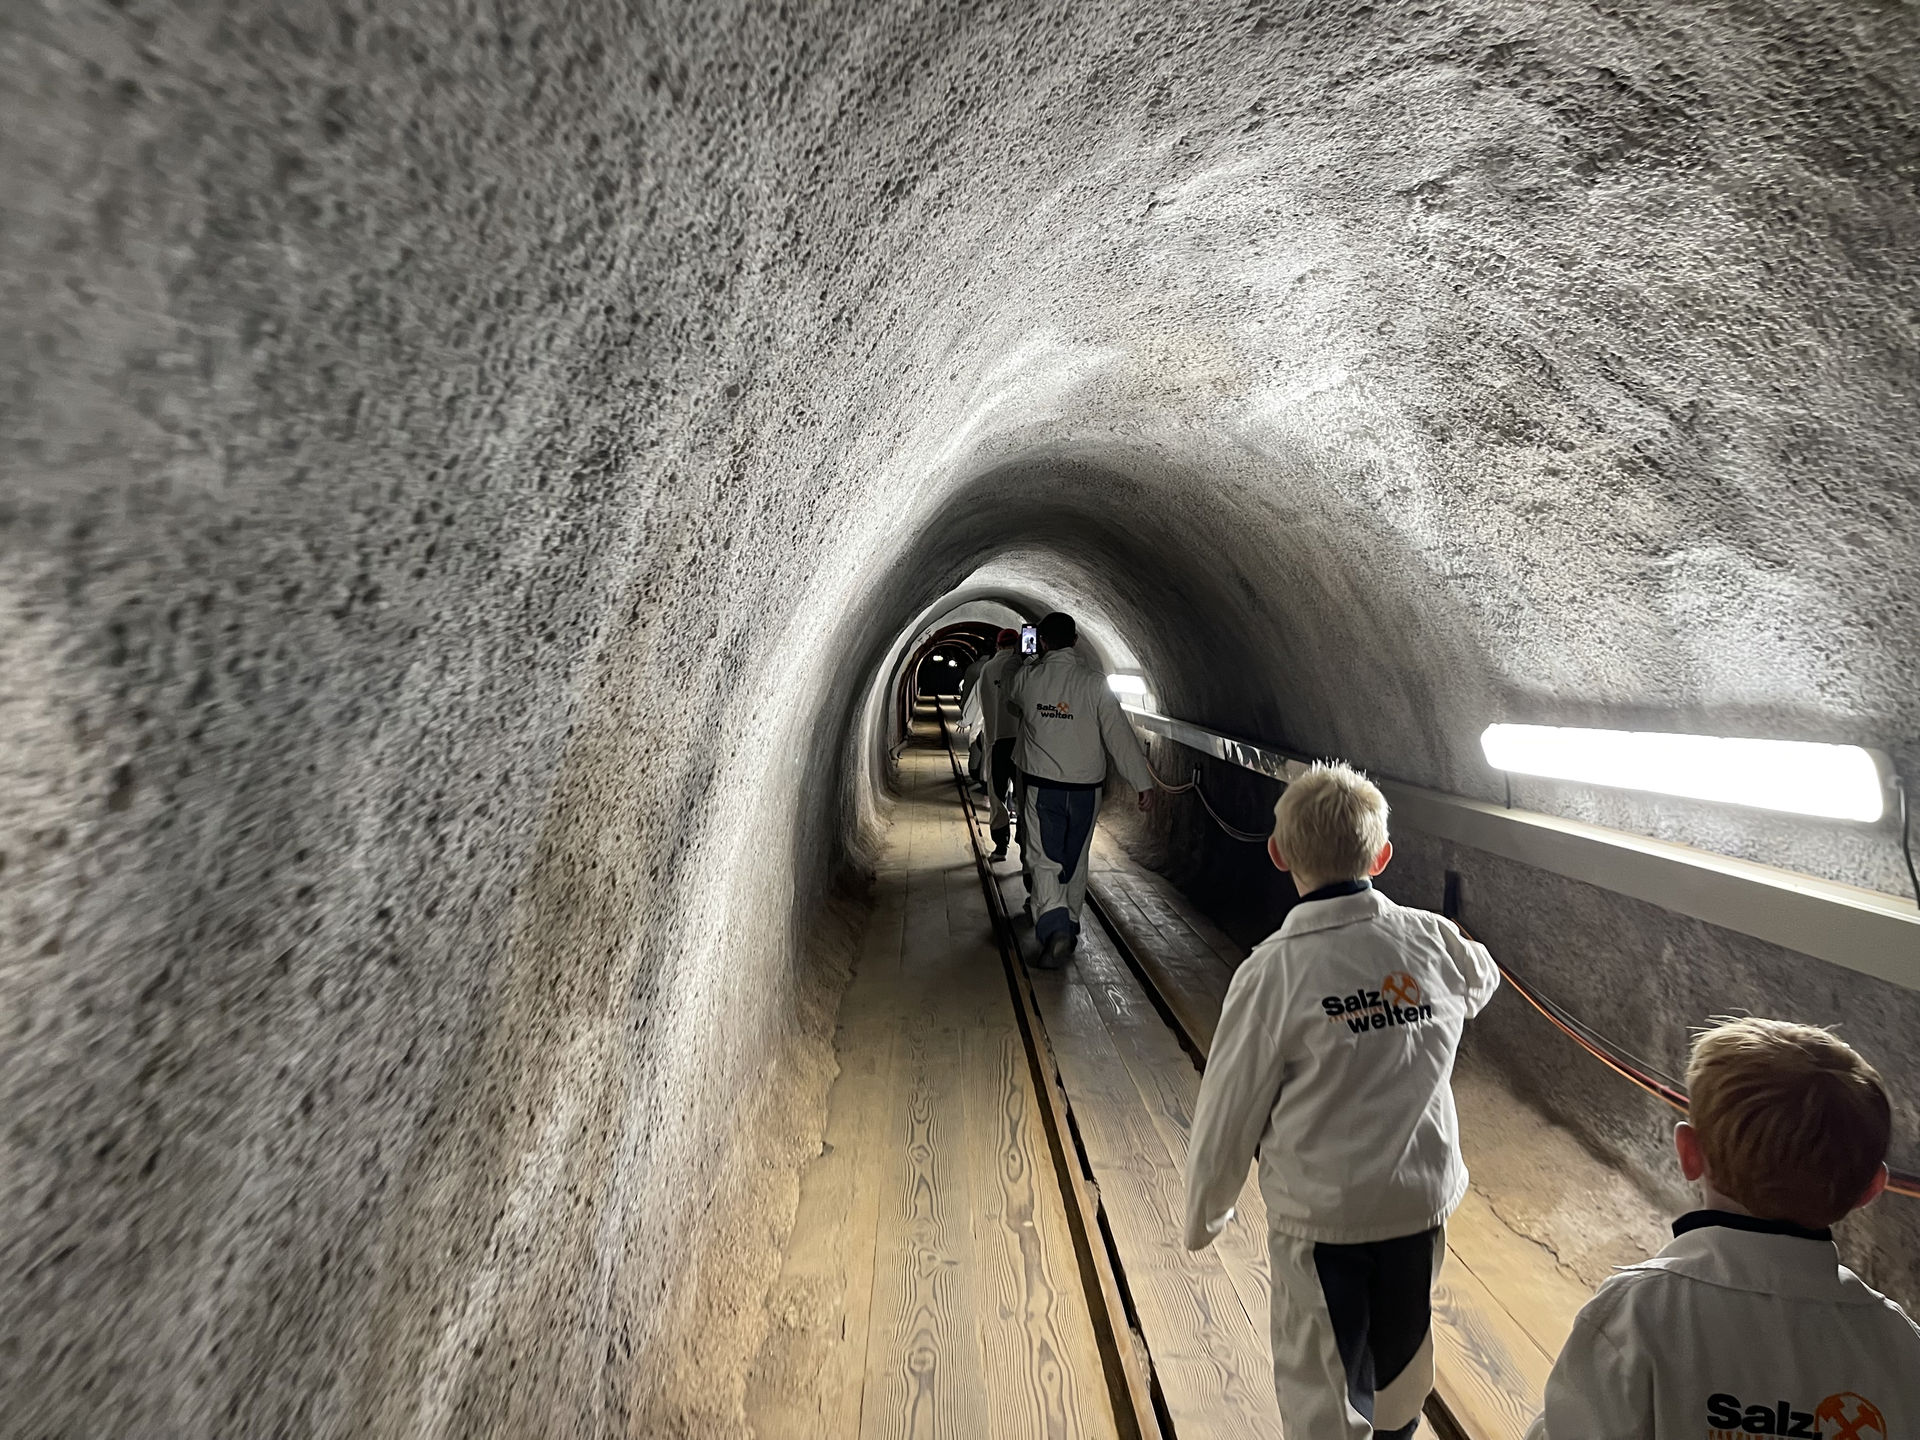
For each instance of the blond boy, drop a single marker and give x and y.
(1332, 1063)
(1748, 1324)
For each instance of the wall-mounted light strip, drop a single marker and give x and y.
(1131, 686)
(1838, 782)
(1862, 930)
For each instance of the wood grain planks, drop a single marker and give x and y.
(1037, 1363)
(1488, 1371)
(811, 1372)
(1208, 1350)
(1168, 1087)
(1191, 980)
(1503, 1305)
(930, 1287)
(925, 1371)
(810, 1376)
(1164, 902)
(1526, 1280)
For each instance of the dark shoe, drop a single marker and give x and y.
(1058, 951)
(999, 852)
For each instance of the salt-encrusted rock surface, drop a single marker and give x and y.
(463, 462)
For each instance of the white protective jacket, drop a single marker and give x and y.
(970, 677)
(1070, 723)
(1732, 1331)
(995, 722)
(1334, 1060)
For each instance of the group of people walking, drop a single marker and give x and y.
(1332, 1067)
(1050, 730)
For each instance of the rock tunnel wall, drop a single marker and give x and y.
(466, 463)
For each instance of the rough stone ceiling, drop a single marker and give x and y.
(466, 465)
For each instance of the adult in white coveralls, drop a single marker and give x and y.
(971, 718)
(1069, 731)
(997, 735)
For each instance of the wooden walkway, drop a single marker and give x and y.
(1503, 1306)
(1202, 1314)
(931, 1286)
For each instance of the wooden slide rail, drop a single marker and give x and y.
(1129, 1377)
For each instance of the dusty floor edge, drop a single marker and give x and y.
(695, 1387)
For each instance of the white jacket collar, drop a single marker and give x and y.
(1767, 1264)
(1331, 914)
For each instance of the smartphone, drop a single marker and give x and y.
(1029, 640)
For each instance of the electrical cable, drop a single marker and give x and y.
(1171, 789)
(1906, 837)
(1232, 832)
(1245, 836)
(1618, 1060)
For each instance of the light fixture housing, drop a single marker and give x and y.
(1134, 686)
(1797, 777)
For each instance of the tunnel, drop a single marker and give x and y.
(485, 481)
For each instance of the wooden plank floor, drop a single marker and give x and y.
(1503, 1305)
(930, 1287)
(1202, 1315)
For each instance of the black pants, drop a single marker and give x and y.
(1379, 1297)
(1000, 787)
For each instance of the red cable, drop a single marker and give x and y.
(1898, 1182)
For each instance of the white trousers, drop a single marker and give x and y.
(1341, 1316)
(1055, 903)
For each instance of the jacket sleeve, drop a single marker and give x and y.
(1010, 700)
(1123, 747)
(1237, 1095)
(1479, 975)
(1601, 1387)
(969, 678)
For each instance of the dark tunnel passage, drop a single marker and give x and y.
(476, 473)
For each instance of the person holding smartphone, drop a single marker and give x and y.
(1070, 732)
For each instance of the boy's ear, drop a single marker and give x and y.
(1874, 1187)
(1380, 860)
(1686, 1143)
(1273, 852)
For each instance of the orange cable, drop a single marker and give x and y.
(1898, 1182)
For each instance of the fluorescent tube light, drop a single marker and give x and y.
(1840, 782)
(1127, 684)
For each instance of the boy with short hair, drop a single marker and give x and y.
(1333, 1062)
(1748, 1324)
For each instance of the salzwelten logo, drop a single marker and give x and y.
(1845, 1416)
(1054, 709)
(1398, 1001)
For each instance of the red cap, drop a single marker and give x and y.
(1006, 638)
